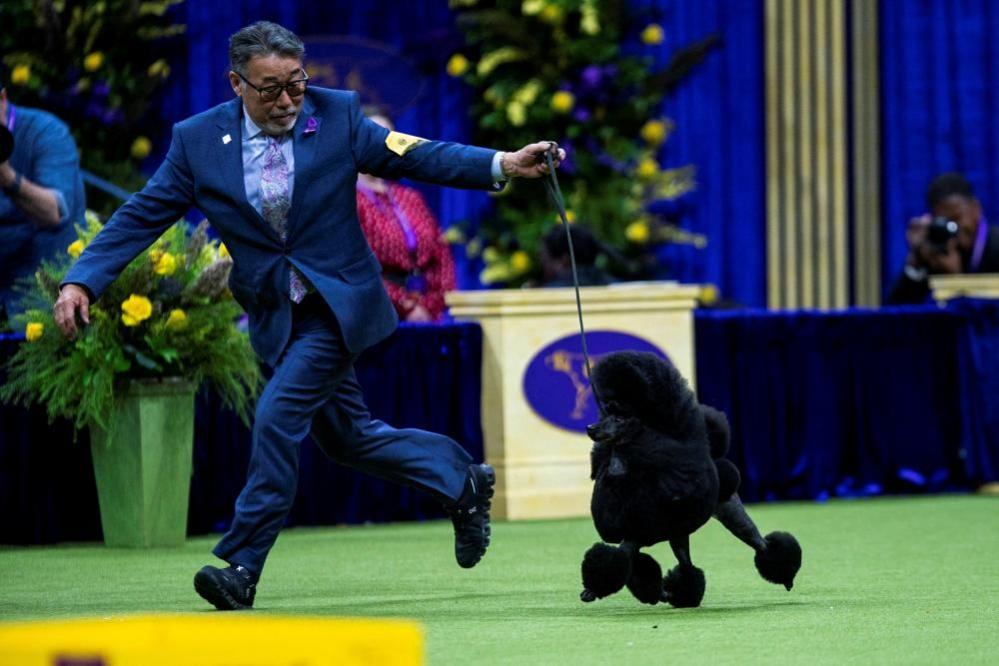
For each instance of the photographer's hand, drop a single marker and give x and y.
(72, 299)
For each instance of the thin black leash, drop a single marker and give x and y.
(555, 192)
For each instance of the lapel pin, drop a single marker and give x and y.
(226, 139)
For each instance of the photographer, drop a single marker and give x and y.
(41, 192)
(953, 237)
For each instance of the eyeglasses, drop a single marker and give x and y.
(294, 88)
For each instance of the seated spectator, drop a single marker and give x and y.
(969, 246)
(41, 194)
(556, 268)
(417, 267)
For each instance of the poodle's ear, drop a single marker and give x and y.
(719, 434)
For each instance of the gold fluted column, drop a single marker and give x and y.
(823, 210)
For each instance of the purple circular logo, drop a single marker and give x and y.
(556, 385)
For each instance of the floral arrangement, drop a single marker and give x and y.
(97, 65)
(169, 314)
(558, 68)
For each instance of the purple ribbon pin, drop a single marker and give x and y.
(311, 125)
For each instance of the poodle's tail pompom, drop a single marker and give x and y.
(683, 586)
(605, 571)
(779, 561)
(646, 577)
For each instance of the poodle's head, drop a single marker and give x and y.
(640, 389)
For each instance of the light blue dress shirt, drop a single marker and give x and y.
(254, 147)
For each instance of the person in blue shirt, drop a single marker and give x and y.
(274, 170)
(41, 194)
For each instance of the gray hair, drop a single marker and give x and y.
(262, 38)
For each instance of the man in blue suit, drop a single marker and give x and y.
(274, 171)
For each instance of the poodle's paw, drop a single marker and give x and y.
(605, 569)
(683, 587)
(586, 596)
(645, 582)
(780, 559)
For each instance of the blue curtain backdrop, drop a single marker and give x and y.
(718, 111)
(720, 129)
(940, 107)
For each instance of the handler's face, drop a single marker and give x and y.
(277, 116)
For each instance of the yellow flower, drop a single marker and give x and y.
(520, 261)
(709, 294)
(491, 255)
(499, 272)
(141, 148)
(75, 248)
(159, 68)
(653, 34)
(551, 14)
(590, 21)
(637, 232)
(33, 331)
(177, 320)
(516, 113)
(473, 248)
(647, 169)
(93, 62)
(223, 251)
(570, 215)
(136, 310)
(20, 75)
(454, 235)
(166, 265)
(154, 255)
(457, 65)
(654, 132)
(532, 7)
(563, 101)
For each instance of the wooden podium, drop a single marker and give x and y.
(975, 285)
(536, 400)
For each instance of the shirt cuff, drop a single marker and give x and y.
(498, 176)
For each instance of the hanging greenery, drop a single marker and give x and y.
(558, 69)
(96, 64)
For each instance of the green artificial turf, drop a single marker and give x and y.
(883, 581)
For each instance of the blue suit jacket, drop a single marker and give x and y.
(324, 238)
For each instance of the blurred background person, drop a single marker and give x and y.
(556, 268)
(41, 193)
(417, 267)
(953, 237)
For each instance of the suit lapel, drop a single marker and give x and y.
(305, 137)
(229, 155)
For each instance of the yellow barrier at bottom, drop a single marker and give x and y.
(231, 639)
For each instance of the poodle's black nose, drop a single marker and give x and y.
(591, 430)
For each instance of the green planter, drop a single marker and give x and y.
(143, 468)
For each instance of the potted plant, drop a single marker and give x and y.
(165, 326)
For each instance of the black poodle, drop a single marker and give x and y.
(659, 473)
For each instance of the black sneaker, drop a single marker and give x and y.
(232, 588)
(470, 516)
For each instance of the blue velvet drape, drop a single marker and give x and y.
(940, 107)
(720, 129)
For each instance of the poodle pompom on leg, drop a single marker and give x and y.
(779, 560)
(645, 582)
(683, 586)
(605, 570)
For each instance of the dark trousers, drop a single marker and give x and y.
(314, 391)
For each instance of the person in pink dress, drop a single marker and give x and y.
(417, 267)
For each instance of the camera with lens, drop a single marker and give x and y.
(940, 231)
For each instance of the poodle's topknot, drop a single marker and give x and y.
(639, 380)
